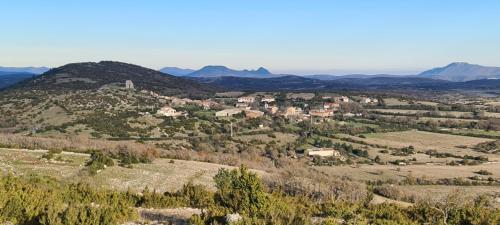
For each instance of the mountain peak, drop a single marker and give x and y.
(462, 71)
(453, 64)
(215, 67)
(223, 71)
(262, 70)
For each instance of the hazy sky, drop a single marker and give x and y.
(371, 36)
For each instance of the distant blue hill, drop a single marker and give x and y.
(34, 70)
(176, 71)
(460, 71)
(218, 71)
(10, 78)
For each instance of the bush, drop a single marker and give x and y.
(240, 191)
(98, 161)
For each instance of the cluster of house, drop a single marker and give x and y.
(247, 105)
(244, 104)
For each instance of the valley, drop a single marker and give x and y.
(103, 125)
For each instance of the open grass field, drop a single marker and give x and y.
(393, 172)
(436, 119)
(395, 101)
(281, 138)
(450, 114)
(440, 191)
(161, 175)
(423, 141)
(476, 131)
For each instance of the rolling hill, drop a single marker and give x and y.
(91, 75)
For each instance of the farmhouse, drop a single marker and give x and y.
(366, 100)
(228, 112)
(268, 100)
(324, 152)
(292, 112)
(169, 112)
(246, 99)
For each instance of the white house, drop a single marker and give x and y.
(246, 99)
(325, 152)
(366, 100)
(168, 111)
(268, 100)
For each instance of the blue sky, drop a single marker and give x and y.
(384, 36)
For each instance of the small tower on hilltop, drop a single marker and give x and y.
(129, 84)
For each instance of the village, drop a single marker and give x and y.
(303, 107)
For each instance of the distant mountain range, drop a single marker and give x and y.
(218, 71)
(176, 71)
(456, 72)
(34, 70)
(461, 71)
(213, 78)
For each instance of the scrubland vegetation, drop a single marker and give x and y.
(121, 157)
(38, 200)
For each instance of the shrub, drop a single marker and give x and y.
(98, 161)
(241, 191)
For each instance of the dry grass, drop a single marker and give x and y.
(437, 192)
(161, 175)
(423, 141)
(74, 144)
(281, 138)
(450, 114)
(398, 173)
(25, 162)
(395, 101)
